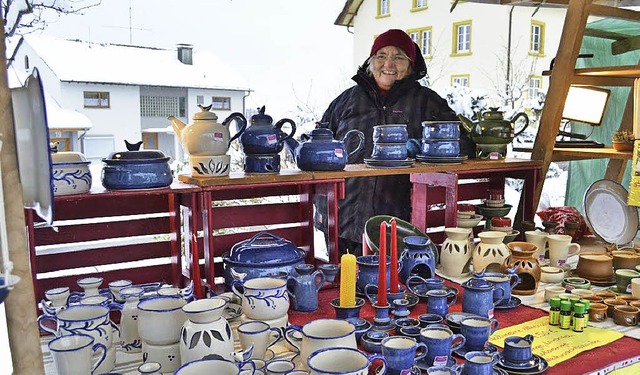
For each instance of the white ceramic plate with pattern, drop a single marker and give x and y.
(607, 213)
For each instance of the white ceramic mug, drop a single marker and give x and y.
(168, 356)
(279, 367)
(559, 246)
(539, 239)
(72, 354)
(635, 287)
(341, 361)
(263, 298)
(323, 333)
(208, 366)
(260, 335)
(160, 320)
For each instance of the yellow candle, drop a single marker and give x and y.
(348, 280)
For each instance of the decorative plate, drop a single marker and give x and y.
(379, 163)
(32, 143)
(607, 213)
(441, 160)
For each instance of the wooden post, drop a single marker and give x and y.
(24, 338)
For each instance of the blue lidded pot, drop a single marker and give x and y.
(320, 152)
(264, 137)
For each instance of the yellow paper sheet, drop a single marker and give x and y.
(634, 186)
(631, 370)
(554, 344)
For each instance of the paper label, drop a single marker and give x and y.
(217, 136)
(440, 360)
(490, 313)
(629, 288)
(634, 185)
(339, 152)
(272, 139)
(561, 262)
(494, 155)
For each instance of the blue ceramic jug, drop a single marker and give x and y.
(303, 290)
(263, 137)
(417, 258)
(368, 271)
(478, 297)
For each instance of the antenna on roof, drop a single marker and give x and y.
(130, 27)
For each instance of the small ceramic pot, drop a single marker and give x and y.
(612, 303)
(623, 279)
(389, 151)
(341, 361)
(440, 148)
(595, 266)
(441, 129)
(598, 312)
(625, 259)
(394, 133)
(160, 320)
(550, 274)
(208, 366)
(136, 170)
(626, 315)
(70, 173)
(553, 291)
(576, 282)
(518, 349)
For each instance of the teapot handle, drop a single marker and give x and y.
(526, 122)
(279, 124)
(243, 124)
(319, 282)
(348, 136)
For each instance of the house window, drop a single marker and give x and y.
(26, 62)
(150, 141)
(200, 99)
(535, 84)
(536, 45)
(460, 80)
(419, 5)
(96, 99)
(462, 38)
(383, 7)
(162, 106)
(221, 103)
(422, 37)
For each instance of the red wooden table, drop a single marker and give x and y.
(584, 362)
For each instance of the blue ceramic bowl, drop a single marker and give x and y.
(269, 163)
(395, 133)
(389, 151)
(362, 327)
(441, 129)
(440, 148)
(372, 341)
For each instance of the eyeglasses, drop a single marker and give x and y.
(398, 59)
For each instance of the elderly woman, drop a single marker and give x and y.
(386, 92)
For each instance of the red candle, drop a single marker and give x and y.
(365, 247)
(382, 266)
(394, 257)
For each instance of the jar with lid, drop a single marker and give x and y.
(565, 314)
(554, 311)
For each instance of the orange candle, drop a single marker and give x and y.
(382, 266)
(365, 247)
(394, 257)
(348, 280)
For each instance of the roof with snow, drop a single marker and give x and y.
(88, 62)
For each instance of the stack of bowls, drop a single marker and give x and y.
(390, 143)
(440, 141)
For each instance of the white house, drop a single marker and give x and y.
(127, 92)
(469, 46)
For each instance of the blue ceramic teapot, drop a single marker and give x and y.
(320, 152)
(263, 137)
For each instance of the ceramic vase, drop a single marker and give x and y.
(526, 266)
(417, 258)
(206, 334)
(455, 256)
(491, 252)
(129, 337)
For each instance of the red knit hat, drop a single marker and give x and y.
(396, 38)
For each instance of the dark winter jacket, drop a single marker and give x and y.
(362, 107)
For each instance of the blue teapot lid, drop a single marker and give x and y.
(261, 117)
(321, 133)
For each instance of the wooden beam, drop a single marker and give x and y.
(24, 338)
(561, 77)
(605, 34)
(625, 45)
(617, 167)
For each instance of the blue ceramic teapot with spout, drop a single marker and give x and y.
(320, 152)
(264, 137)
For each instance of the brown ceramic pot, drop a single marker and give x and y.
(594, 299)
(598, 312)
(595, 266)
(604, 294)
(613, 303)
(628, 298)
(625, 259)
(626, 315)
(527, 267)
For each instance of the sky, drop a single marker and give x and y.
(289, 51)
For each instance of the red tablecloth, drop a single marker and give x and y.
(585, 362)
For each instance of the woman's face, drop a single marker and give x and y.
(389, 64)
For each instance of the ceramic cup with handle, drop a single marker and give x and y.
(321, 334)
(216, 366)
(263, 298)
(259, 334)
(72, 354)
(560, 246)
(401, 353)
(341, 361)
(539, 239)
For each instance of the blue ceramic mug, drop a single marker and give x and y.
(389, 151)
(437, 301)
(428, 319)
(503, 281)
(368, 270)
(478, 297)
(517, 349)
(401, 353)
(393, 133)
(441, 129)
(430, 283)
(268, 163)
(441, 342)
(476, 330)
(440, 148)
(479, 363)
